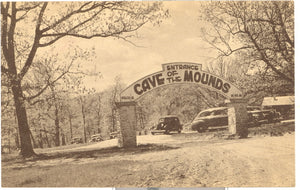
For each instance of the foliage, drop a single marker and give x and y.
(256, 35)
(27, 27)
(186, 103)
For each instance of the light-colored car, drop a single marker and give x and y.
(213, 118)
(96, 138)
(76, 140)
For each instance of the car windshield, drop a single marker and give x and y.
(204, 114)
(168, 119)
(161, 120)
(220, 112)
(212, 113)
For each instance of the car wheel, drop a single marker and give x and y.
(179, 131)
(152, 133)
(201, 129)
(244, 133)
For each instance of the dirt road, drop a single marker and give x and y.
(179, 160)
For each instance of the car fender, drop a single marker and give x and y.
(196, 124)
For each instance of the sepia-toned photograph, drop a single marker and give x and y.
(148, 95)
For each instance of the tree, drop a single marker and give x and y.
(115, 97)
(50, 22)
(262, 32)
(71, 114)
(186, 103)
(59, 78)
(98, 110)
(83, 100)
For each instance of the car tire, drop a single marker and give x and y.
(179, 131)
(201, 129)
(152, 133)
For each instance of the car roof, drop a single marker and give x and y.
(214, 109)
(96, 135)
(169, 116)
(255, 111)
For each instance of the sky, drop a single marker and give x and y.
(177, 39)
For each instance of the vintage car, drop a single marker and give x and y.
(213, 118)
(96, 138)
(114, 134)
(167, 124)
(262, 116)
(76, 140)
(217, 118)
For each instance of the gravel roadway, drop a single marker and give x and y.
(192, 160)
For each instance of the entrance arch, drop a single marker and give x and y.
(179, 73)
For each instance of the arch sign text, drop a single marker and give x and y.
(179, 73)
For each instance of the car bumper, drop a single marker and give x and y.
(158, 131)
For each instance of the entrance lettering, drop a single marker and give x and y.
(206, 79)
(149, 83)
(180, 73)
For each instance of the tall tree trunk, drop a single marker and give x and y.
(47, 139)
(99, 114)
(41, 139)
(71, 126)
(9, 48)
(8, 135)
(57, 127)
(26, 146)
(98, 124)
(33, 141)
(63, 139)
(17, 139)
(83, 117)
(113, 120)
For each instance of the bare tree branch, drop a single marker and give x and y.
(49, 83)
(263, 57)
(260, 28)
(28, 8)
(35, 43)
(80, 10)
(4, 26)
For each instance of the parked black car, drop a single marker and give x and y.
(261, 116)
(167, 124)
(257, 117)
(271, 115)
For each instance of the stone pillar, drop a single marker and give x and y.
(127, 137)
(238, 117)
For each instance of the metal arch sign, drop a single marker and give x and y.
(180, 73)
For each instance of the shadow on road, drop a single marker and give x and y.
(104, 152)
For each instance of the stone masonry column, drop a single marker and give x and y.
(127, 113)
(238, 117)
